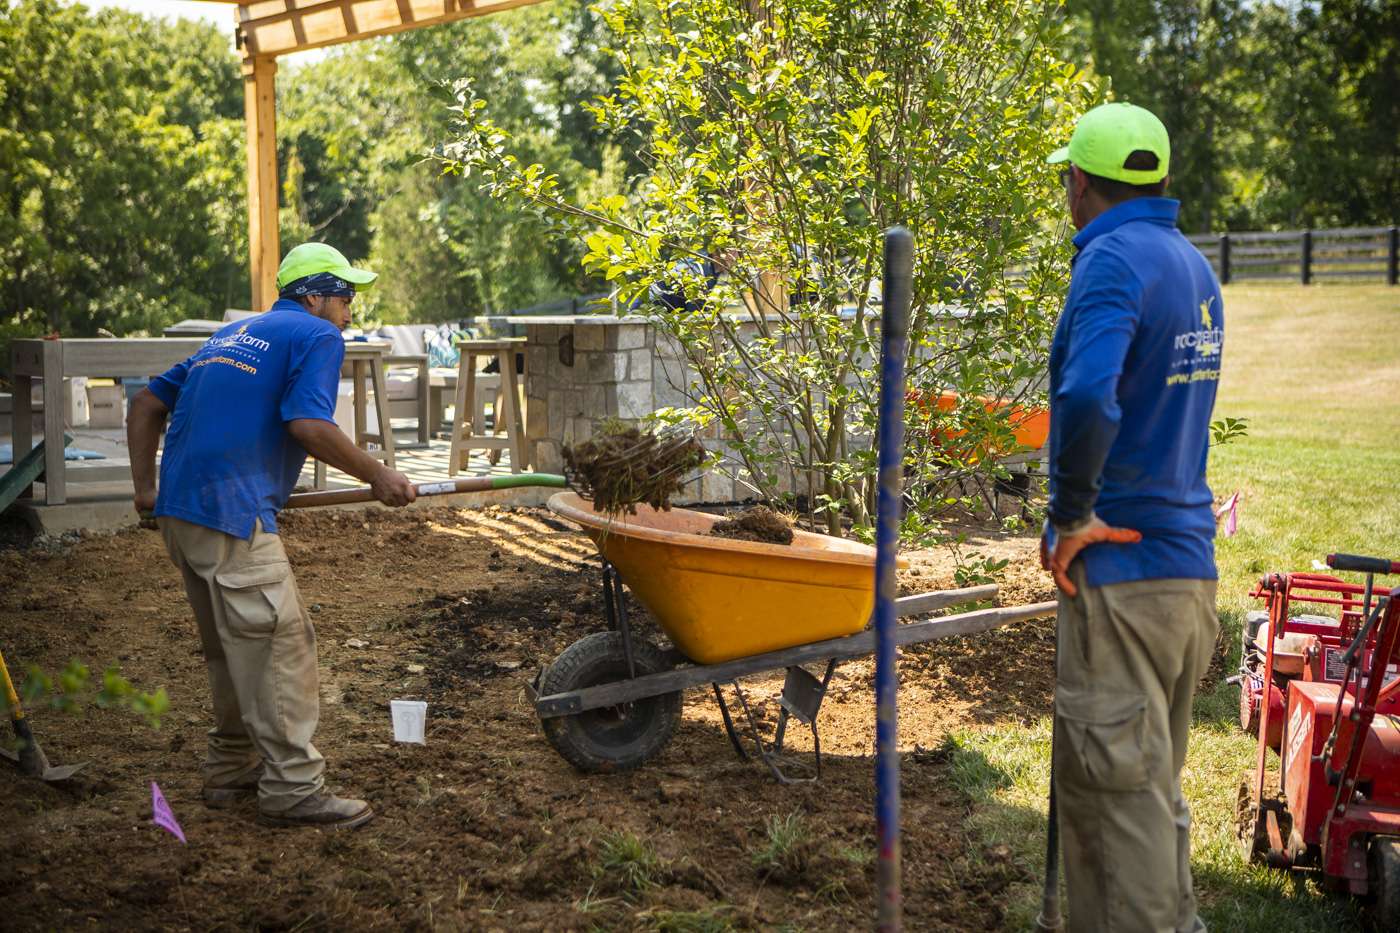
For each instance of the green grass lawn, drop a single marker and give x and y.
(1316, 371)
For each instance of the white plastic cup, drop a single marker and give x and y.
(410, 716)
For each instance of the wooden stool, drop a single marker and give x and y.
(366, 359)
(469, 423)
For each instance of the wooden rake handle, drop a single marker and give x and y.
(306, 500)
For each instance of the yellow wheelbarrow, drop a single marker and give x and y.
(731, 609)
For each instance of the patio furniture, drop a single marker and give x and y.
(366, 360)
(194, 327)
(52, 360)
(469, 423)
(417, 388)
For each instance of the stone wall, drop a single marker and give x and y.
(582, 370)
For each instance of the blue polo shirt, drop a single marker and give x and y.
(1133, 371)
(228, 458)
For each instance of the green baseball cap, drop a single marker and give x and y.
(1105, 137)
(311, 258)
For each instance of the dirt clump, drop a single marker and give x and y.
(622, 466)
(757, 523)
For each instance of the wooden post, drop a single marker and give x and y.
(1305, 262)
(260, 117)
(22, 420)
(1392, 266)
(1224, 259)
(55, 486)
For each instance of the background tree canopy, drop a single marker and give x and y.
(122, 191)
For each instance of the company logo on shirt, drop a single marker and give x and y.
(1202, 346)
(245, 350)
(1207, 339)
(241, 337)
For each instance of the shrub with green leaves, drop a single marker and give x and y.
(781, 138)
(74, 688)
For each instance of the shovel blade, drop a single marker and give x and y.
(32, 761)
(62, 773)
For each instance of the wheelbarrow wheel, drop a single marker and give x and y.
(614, 738)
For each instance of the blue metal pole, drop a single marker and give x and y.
(894, 344)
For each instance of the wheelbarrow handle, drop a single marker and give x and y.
(304, 500)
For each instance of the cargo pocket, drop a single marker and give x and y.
(1104, 734)
(254, 596)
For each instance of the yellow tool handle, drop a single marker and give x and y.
(16, 712)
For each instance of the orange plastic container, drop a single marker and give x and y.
(719, 599)
(1030, 426)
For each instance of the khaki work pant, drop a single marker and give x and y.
(260, 649)
(1129, 658)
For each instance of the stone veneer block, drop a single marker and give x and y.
(630, 336)
(589, 337)
(666, 348)
(634, 400)
(555, 410)
(537, 419)
(595, 401)
(581, 429)
(639, 364)
(664, 395)
(602, 366)
(716, 486)
(549, 457)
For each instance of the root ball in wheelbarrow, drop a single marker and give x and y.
(621, 467)
(758, 523)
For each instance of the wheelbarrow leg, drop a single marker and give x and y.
(615, 606)
(729, 724)
(801, 700)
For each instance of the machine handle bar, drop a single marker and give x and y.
(1359, 564)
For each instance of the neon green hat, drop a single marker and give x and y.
(1105, 137)
(311, 258)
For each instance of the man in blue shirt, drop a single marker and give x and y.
(1134, 366)
(244, 412)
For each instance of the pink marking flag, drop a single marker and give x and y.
(161, 814)
(1230, 510)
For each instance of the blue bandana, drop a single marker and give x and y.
(322, 283)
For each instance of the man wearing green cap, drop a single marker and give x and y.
(244, 412)
(1134, 366)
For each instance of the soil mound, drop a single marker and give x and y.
(622, 466)
(758, 523)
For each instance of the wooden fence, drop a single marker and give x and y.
(1304, 255)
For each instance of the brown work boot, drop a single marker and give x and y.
(324, 810)
(226, 797)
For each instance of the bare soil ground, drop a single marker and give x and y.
(484, 827)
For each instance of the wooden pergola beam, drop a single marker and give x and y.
(268, 28)
(260, 118)
(276, 27)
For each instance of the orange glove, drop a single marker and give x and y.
(1068, 546)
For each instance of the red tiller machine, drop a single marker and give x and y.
(1320, 685)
